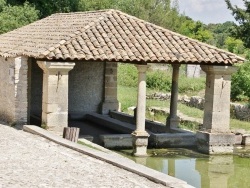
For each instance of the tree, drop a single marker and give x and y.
(48, 7)
(221, 31)
(159, 12)
(86, 5)
(234, 45)
(241, 83)
(12, 17)
(195, 30)
(242, 15)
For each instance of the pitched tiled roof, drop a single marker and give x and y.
(107, 35)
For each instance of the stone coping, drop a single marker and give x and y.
(110, 157)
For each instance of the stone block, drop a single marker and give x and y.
(164, 140)
(140, 144)
(111, 91)
(215, 143)
(112, 84)
(56, 120)
(238, 139)
(246, 139)
(116, 141)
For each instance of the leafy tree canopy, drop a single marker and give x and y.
(241, 83)
(160, 12)
(242, 15)
(195, 30)
(12, 17)
(48, 7)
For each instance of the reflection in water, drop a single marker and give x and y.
(215, 171)
(199, 170)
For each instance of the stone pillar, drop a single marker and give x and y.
(55, 94)
(110, 88)
(21, 90)
(215, 137)
(173, 120)
(140, 136)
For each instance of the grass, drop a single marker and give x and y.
(190, 111)
(127, 96)
(237, 124)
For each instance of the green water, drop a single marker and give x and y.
(201, 171)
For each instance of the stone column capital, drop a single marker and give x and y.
(55, 66)
(223, 70)
(142, 68)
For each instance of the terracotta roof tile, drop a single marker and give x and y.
(107, 35)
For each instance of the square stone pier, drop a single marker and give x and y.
(215, 137)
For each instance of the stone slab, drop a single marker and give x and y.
(238, 139)
(215, 143)
(117, 141)
(172, 140)
(112, 158)
(246, 139)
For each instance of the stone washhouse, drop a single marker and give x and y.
(65, 66)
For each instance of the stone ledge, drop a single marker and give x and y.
(173, 140)
(112, 158)
(116, 141)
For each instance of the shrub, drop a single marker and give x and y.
(127, 75)
(158, 80)
(241, 83)
(191, 84)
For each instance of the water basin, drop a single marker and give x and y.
(198, 170)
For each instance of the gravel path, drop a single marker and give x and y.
(27, 160)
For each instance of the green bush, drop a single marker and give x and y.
(241, 83)
(191, 84)
(158, 80)
(127, 75)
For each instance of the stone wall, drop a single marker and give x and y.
(240, 111)
(85, 88)
(110, 102)
(13, 93)
(237, 111)
(21, 90)
(7, 91)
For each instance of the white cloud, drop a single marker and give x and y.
(208, 11)
(203, 5)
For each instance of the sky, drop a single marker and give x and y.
(208, 11)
